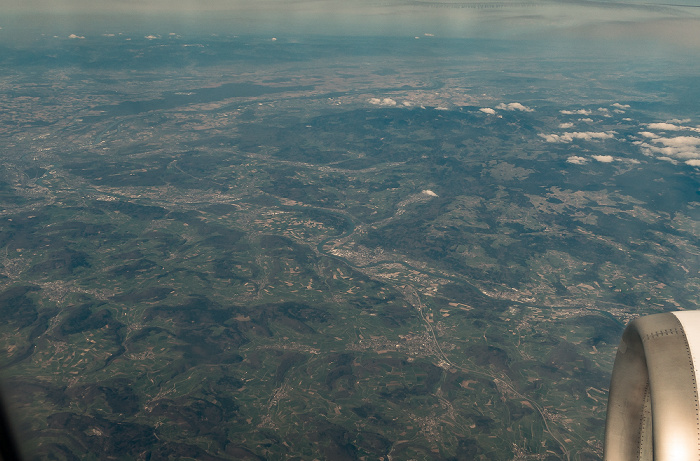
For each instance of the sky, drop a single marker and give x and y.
(456, 18)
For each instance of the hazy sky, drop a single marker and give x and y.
(499, 18)
(233, 5)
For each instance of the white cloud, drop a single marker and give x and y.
(673, 125)
(680, 147)
(603, 109)
(587, 120)
(621, 106)
(576, 112)
(488, 110)
(441, 108)
(514, 106)
(566, 125)
(407, 104)
(668, 159)
(576, 160)
(584, 135)
(687, 154)
(694, 162)
(679, 141)
(647, 134)
(76, 36)
(430, 193)
(664, 126)
(382, 102)
(671, 151)
(603, 158)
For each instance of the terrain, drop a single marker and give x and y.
(234, 247)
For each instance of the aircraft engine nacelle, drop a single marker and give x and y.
(653, 411)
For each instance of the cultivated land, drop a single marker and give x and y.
(233, 248)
